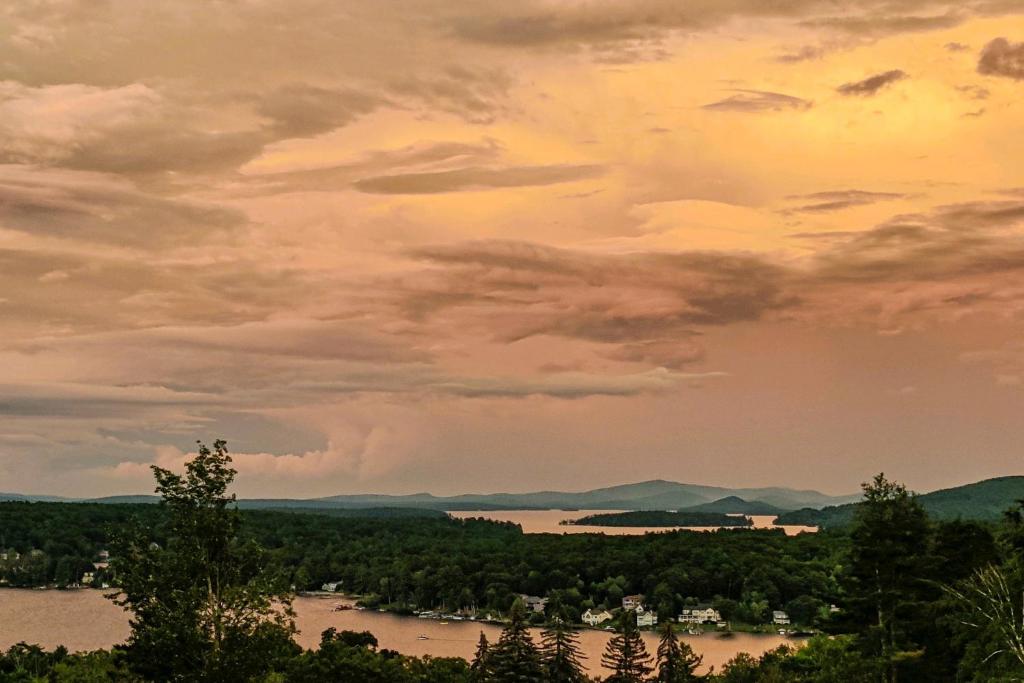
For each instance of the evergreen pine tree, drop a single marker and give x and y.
(626, 653)
(677, 662)
(515, 659)
(480, 669)
(886, 579)
(560, 652)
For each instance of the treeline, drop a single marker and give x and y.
(473, 564)
(656, 518)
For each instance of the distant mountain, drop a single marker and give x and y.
(29, 498)
(123, 499)
(983, 500)
(648, 495)
(734, 505)
(657, 494)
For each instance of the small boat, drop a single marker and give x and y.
(444, 623)
(422, 637)
(341, 607)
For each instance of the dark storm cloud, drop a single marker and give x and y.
(531, 24)
(950, 242)
(95, 207)
(85, 401)
(884, 24)
(1002, 58)
(302, 110)
(836, 200)
(475, 95)
(537, 290)
(871, 86)
(755, 101)
(476, 178)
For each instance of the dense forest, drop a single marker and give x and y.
(666, 518)
(450, 564)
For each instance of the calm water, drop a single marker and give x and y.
(547, 522)
(84, 620)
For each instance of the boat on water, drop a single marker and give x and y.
(342, 607)
(422, 637)
(444, 623)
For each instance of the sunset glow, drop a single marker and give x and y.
(480, 246)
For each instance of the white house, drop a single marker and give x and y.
(699, 615)
(632, 601)
(592, 618)
(331, 587)
(780, 617)
(646, 619)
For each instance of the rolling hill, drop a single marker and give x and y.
(983, 500)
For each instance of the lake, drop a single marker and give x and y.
(85, 620)
(547, 522)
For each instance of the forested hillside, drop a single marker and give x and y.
(984, 501)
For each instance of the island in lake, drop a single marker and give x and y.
(665, 518)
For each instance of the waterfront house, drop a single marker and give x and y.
(632, 601)
(331, 587)
(646, 618)
(700, 614)
(780, 617)
(534, 603)
(592, 618)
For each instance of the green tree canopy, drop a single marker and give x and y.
(204, 608)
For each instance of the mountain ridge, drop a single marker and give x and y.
(987, 499)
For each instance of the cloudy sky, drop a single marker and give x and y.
(475, 246)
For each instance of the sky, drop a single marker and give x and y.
(470, 246)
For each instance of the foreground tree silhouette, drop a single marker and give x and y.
(887, 575)
(514, 658)
(480, 669)
(677, 662)
(560, 652)
(626, 655)
(203, 607)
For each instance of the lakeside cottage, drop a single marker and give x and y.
(700, 614)
(646, 618)
(331, 587)
(780, 617)
(591, 618)
(534, 603)
(632, 601)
